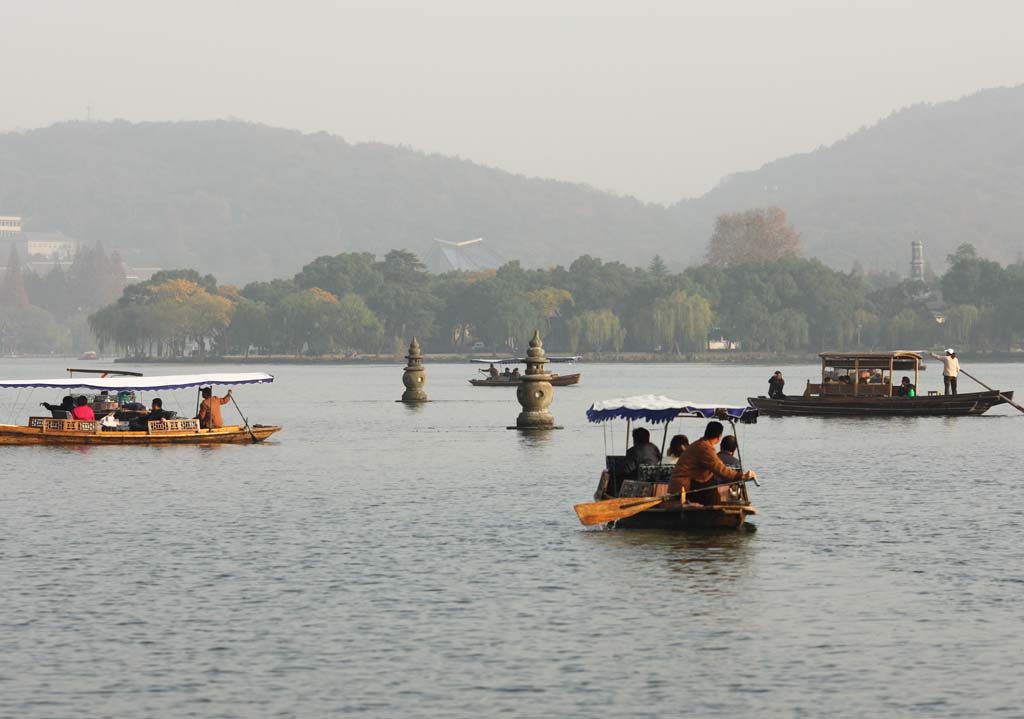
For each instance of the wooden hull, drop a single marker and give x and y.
(557, 380)
(689, 517)
(17, 435)
(968, 403)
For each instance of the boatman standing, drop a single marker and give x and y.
(209, 410)
(776, 385)
(950, 369)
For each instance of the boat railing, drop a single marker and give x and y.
(49, 424)
(172, 425)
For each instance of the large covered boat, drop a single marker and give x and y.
(861, 384)
(638, 498)
(112, 395)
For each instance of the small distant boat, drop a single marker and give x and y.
(90, 355)
(860, 384)
(557, 380)
(642, 502)
(508, 380)
(62, 430)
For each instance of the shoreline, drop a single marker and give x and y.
(731, 358)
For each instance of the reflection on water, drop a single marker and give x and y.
(421, 560)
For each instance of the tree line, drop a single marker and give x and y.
(753, 288)
(354, 302)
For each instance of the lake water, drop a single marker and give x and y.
(382, 560)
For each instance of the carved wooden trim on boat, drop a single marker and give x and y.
(49, 424)
(173, 425)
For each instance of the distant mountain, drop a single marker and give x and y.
(246, 201)
(946, 173)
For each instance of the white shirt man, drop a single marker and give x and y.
(950, 369)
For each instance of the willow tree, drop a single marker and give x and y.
(596, 330)
(681, 321)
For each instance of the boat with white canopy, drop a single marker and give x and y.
(506, 379)
(113, 402)
(631, 496)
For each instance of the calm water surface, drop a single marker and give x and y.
(390, 561)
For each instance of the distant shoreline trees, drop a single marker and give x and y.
(354, 302)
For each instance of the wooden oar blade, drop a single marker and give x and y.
(609, 510)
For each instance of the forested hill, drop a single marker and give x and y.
(246, 201)
(947, 173)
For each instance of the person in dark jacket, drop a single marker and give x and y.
(643, 451)
(775, 385)
(157, 413)
(66, 405)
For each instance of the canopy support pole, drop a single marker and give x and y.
(663, 438)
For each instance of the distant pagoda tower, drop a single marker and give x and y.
(917, 260)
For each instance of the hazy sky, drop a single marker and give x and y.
(654, 99)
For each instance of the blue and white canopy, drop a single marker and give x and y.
(141, 384)
(657, 409)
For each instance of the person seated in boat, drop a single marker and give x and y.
(209, 411)
(905, 388)
(507, 373)
(157, 413)
(515, 373)
(82, 409)
(643, 452)
(700, 467)
(66, 405)
(727, 451)
(676, 447)
(775, 386)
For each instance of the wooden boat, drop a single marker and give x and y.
(557, 380)
(46, 430)
(64, 431)
(843, 391)
(503, 380)
(732, 506)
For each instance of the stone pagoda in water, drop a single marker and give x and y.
(414, 377)
(535, 393)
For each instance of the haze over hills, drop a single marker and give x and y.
(247, 201)
(947, 173)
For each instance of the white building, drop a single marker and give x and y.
(10, 226)
(51, 244)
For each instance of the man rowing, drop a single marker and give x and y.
(699, 467)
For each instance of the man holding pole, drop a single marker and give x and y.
(950, 369)
(209, 410)
(699, 467)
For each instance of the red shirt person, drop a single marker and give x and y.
(82, 409)
(209, 410)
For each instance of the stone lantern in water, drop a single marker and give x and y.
(535, 393)
(414, 377)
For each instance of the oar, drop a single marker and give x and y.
(1001, 395)
(609, 510)
(244, 418)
